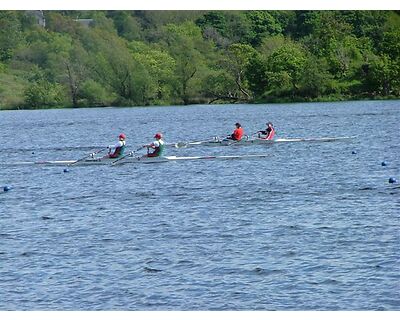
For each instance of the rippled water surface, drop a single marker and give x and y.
(314, 226)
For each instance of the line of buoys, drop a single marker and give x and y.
(391, 179)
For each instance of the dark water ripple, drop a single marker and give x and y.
(312, 227)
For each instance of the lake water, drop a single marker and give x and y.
(314, 226)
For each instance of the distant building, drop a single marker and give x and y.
(85, 22)
(39, 16)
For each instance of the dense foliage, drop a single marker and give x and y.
(128, 58)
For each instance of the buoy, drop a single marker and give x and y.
(66, 170)
(7, 188)
(384, 163)
(354, 152)
(392, 180)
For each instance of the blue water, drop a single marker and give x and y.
(314, 226)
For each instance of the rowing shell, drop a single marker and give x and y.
(132, 159)
(215, 142)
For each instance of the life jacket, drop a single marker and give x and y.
(270, 134)
(119, 151)
(158, 151)
(237, 134)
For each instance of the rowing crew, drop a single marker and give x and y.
(154, 149)
(267, 134)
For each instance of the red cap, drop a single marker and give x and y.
(122, 136)
(158, 135)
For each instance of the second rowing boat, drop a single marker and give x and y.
(216, 141)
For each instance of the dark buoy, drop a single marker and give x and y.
(354, 152)
(66, 170)
(392, 180)
(384, 164)
(7, 188)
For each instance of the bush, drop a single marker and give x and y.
(42, 94)
(93, 94)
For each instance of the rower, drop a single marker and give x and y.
(237, 133)
(268, 133)
(119, 147)
(157, 146)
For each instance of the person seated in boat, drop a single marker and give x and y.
(268, 133)
(237, 133)
(119, 147)
(157, 146)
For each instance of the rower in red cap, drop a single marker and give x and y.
(157, 146)
(119, 147)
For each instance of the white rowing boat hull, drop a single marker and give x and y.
(132, 160)
(216, 142)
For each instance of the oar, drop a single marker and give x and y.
(131, 153)
(185, 144)
(88, 156)
(252, 135)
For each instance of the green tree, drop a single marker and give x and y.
(262, 24)
(60, 56)
(219, 85)
(315, 79)
(111, 65)
(320, 29)
(238, 59)
(160, 67)
(226, 27)
(381, 76)
(184, 43)
(344, 57)
(284, 68)
(256, 73)
(370, 24)
(127, 26)
(10, 34)
(390, 44)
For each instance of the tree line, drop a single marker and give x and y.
(140, 58)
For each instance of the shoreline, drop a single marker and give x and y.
(202, 104)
